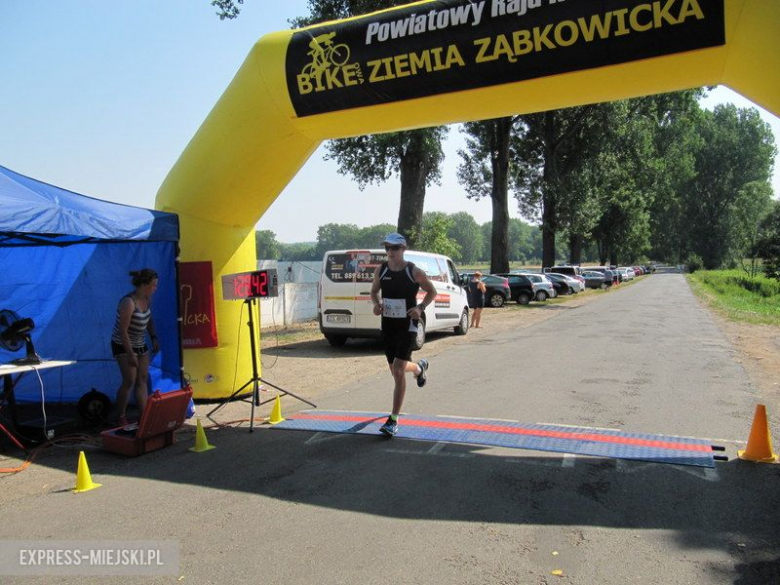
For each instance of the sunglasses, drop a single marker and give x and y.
(393, 248)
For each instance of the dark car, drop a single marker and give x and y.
(498, 290)
(522, 290)
(595, 279)
(611, 276)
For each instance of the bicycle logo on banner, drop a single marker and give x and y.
(325, 54)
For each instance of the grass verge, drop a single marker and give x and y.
(737, 296)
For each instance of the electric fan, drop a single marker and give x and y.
(13, 332)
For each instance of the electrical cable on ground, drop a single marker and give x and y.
(33, 454)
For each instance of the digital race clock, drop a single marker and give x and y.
(258, 284)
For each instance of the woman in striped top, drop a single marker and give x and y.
(128, 340)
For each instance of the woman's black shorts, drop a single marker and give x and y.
(118, 349)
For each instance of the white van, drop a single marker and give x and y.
(344, 305)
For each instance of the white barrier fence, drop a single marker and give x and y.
(297, 300)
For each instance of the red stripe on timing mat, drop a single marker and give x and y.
(593, 437)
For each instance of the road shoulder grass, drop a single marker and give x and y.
(738, 297)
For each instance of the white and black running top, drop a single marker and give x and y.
(399, 292)
(137, 328)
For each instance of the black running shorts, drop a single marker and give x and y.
(398, 342)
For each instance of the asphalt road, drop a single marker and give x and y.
(298, 507)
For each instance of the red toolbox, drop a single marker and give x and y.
(164, 414)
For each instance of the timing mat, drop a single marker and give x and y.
(515, 435)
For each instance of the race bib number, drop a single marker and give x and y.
(394, 308)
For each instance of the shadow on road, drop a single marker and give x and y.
(718, 510)
(319, 348)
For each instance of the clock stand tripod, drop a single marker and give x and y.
(255, 380)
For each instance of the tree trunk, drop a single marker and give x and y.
(413, 181)
(603, 252)
(575, 249)
(499, 241)
(549, 192)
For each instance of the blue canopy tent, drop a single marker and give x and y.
(64, 262)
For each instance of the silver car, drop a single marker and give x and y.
(575, 285)
(543, 288)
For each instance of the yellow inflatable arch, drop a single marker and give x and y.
(425, 64)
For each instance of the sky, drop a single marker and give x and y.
(102, 97)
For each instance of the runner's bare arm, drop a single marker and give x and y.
(430, 293)
(375, 288)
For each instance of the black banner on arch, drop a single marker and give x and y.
(453, 45)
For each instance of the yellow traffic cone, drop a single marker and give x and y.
(84, 481)
(201, 442)
(759, 447)
(276, 413)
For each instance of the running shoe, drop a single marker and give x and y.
(390, 428)
(422, 379)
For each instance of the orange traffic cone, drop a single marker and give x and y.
(759, 447)
(84, 481)
(201, 442)
(276, 413)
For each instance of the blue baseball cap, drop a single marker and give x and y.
(394, 239)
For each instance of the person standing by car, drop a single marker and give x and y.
(477, 291)
(399, 281)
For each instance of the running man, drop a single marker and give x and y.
(399, 281)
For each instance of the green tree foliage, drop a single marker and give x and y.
(465, 231)
(340, 236)
(769, 242)
(415, 156)
(625, 184)
(227, 8)
(622, 165)
(525, 241)
(434, 236)
(751, 206)
(337, 236)
(551, 146)
(266, 245)
(324, 10)
(372, 236)
(676, 142)
(736, 148)
(302, 251)
(484, 172)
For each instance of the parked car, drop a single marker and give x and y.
(613, 276)
(595, 279)
(568, 284)
(564, 269)
(521, 287)
(559, 284)
(498, 290)
(543, 288)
